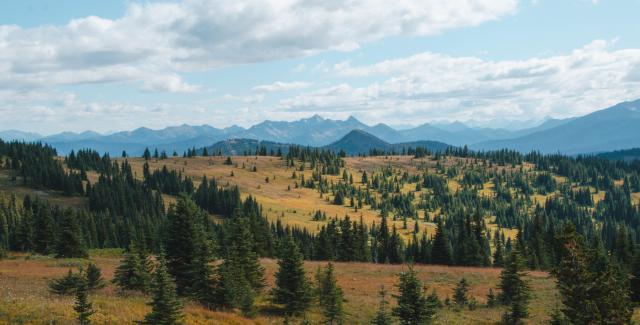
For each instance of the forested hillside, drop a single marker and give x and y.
(207, 220)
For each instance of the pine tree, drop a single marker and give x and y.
(166, 309)
(590, 293)
(414, 308)
(68, 284)
(241, 274)
(461, 293)
(82, 306)
(441, 251)
(330, 296)
(70, 242)
(515, 290)
(185, 224)
(382, 317)
(292, 288)
(94, 277)
(147, 154)
(634, 281)
(134, 271)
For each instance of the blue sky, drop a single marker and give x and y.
(110, 65)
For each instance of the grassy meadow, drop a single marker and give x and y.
(25, 299)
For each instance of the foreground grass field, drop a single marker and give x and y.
(24, 298)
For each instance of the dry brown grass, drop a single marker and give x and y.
(24, 298)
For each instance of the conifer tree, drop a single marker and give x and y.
(94, 277)
(414, 308)
(441, 251)
(590, 293)
(292, 288)
(44, 233)
(241, 274)
(182, 243)
(82, 306)
(166, 309)
(134, 271)
(70, 242)
(330, 296)
(382, 316)
(461, 293)
(515, 290)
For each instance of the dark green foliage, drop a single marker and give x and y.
(68, 284)
(241, 274)
(441, 251)
(515, 290)
(461, 293)
(330, 296)
(414, 308)
(134, 271)
(591, 293)
(492, 300)
(94, 277)
(292, 289)
(70, 242)
(82, 306)
(382, 316)
(166, 309)
(184, 242)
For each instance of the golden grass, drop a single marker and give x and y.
(24, 297)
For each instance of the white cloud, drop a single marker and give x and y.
(170, 83)
(282, 86)
(155, 41)
(432, 86)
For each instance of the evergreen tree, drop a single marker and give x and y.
(292, 288)
(182, 243)
(241, 274)
(147, 154)
(44, 233)
(134, 271)
(166, 309)
(68, 284)
(590, 293)
(70, 242)
(515, 290)
(634, 281)
(461, 293)
(414, 308)
(82, 306)
(330, 296)
(382, 317)
(441, 251)
(94, 277)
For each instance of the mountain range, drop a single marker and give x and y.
(614, 128)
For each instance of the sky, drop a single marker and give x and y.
(117, 65)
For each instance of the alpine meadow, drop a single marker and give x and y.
(310, 162)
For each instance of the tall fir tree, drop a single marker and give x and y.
(82, 306)
(515, 290)
(441, 250)
(292, 289)
(382, 316)
(166, 309)
(183, 237)
(330, 296)
(414, 308)
(134, 271)
(70, 243)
